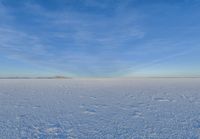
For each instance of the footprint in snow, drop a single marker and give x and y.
(22, 116)
(161, 99)
(90, 111)
(19, 106)
(137, 114)
(92, 97)
(35, 107)
(51, 131)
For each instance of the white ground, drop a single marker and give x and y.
(100, 108)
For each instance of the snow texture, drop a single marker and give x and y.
(143, 108)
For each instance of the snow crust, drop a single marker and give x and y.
(144, 108)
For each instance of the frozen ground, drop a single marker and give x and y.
(100, 108)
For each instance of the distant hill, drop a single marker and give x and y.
(53, 77)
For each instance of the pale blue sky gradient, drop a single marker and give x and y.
(100, 38)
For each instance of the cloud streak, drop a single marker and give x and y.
(108, 41)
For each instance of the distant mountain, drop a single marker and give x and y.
(53, 77)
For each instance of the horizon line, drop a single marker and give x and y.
(68, 77)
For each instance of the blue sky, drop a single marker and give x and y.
(100, 38)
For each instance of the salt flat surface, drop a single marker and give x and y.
(164, 108)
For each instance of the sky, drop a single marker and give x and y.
(100, 38)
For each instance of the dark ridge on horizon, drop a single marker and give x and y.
(53, 77)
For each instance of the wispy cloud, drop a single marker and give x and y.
(79, 37)
(95, 38)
